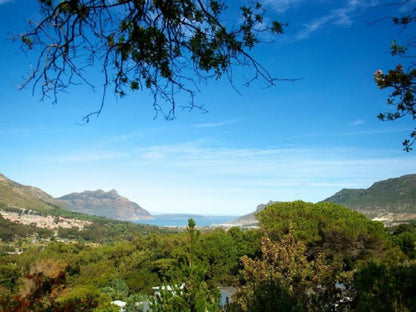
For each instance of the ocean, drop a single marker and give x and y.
(183, 220)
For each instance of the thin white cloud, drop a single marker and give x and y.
(117, 139)
(215, 124)
(88, 156)
(374, 131)
(5, 1)
(281, 6)
(358, 122)
(342, 16)
(252, 164)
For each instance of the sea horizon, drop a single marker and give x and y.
(182, 220)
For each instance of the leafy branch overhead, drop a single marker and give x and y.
(402, 79)
(164, 46)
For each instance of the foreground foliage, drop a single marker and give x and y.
(285, 278)
(304, 257)
(345, 236)
(401, 80)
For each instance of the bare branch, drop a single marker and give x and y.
(164, 46)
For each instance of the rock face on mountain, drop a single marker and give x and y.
(391, 201)
(106, 204)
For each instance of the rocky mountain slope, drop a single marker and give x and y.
(107, 204)
(390, 201)
(15, 195)
(111, 205)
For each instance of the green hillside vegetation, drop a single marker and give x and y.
(396, 196)
(293, 261)
(13, 194)
(17, 197)
(28, 201)
(10, 231)
(100, 229)
(392, 201)
(111, 205)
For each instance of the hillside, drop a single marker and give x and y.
(390, 201)
(99, 203)
(15, 195)
(107, 204)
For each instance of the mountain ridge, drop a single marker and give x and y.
(390, 201)
(106, 204)
(15, 195)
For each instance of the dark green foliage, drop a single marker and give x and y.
(9, 230)
(342, 234)
(192, 295)
(404, 237)
(296, 271)
(384, 289)
(246, 242)
(189, 290)
(285, 278)
(118, 289)
(266, 297)
(9, 274)
(406, 241)
(219, 252)
(163, 46)
(169, 300)
(193, 236)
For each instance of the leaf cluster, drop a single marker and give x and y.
(385, 288)
(342, 234)
(291, 281)
(401, 80)
(164, 46)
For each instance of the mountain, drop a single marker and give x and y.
(390, 201)
(15, 195)
(107, 204)
(99, 203)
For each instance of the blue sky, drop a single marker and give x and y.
(298, 140)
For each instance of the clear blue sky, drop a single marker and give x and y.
(302, 140)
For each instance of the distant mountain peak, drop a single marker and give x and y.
(100, 194)
(107, 204)
(113, 192)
